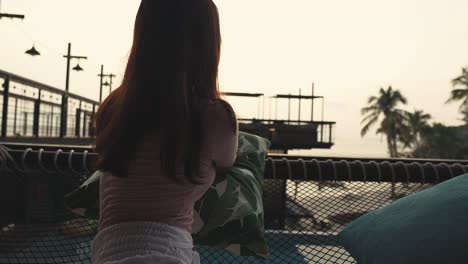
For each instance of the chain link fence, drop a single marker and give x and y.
(306, 202)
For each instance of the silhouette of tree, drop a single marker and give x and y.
(384, 106)
(460, 92)
(443, 142)
(465, 114)
(417, 123)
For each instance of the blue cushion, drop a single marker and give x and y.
(427, 227)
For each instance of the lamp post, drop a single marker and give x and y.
(64, 112)
(32, 51)
(101, 84)
(110, 84)
(69, 57)
(12, 16)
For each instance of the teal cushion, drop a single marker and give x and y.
(230, 213)
(427, 227)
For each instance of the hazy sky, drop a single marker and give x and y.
(348, 48)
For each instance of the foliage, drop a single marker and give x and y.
(465, 114)
(460, 93)
(413, 126)
(412, 131)
(384, 107)
(443, 142)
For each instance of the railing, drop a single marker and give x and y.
(32, 109)
(292, 134)
(32, 112)
(307, 201)
(312, 169)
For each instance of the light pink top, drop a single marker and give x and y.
(147, 194)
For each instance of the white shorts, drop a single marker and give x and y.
(143, 243)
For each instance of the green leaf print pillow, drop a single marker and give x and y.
(229, 215)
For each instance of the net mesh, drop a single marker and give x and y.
(302, 218)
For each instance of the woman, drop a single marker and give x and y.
(162, 135)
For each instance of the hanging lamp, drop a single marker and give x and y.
(33, 52)
(78, 68)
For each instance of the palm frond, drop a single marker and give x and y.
(398, 97)
(460, 80)
(400, 113)
(371, 99)
(369, 117)
(380, 131)
(457, 94)
(373, 108)
(369, 124)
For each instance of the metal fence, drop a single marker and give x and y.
(32, 109)
(307, 201)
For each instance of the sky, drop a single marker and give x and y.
(349, 49)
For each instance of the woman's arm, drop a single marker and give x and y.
(223, 136)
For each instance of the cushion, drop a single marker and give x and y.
(229, 215)
(426, 227)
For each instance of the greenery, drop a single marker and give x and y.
(416, 124)
(409, 134)
(384, 107)
(443, 142)
(460, 91)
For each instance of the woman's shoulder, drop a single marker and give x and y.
(218, 105)
(221, 112)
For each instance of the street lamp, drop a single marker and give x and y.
(33, 52)
(109, 83)
(101, 84)
(78, 68)
(11, 16)
(64, 110)
(69, 57)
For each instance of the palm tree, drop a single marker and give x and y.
(417, 123)
(465, 114)
(460, 89)
(385, 105)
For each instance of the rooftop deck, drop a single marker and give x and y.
(33, 112)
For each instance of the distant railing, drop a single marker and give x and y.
(291, 134)
(32, 109)
(32, 112)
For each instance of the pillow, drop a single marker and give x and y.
(426, 227)
(84, 201)
(229, 215)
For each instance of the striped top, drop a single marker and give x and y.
(147, 194)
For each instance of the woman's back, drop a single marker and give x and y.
(147, 194)
(162, 135)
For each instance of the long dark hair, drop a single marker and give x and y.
(173, 64)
